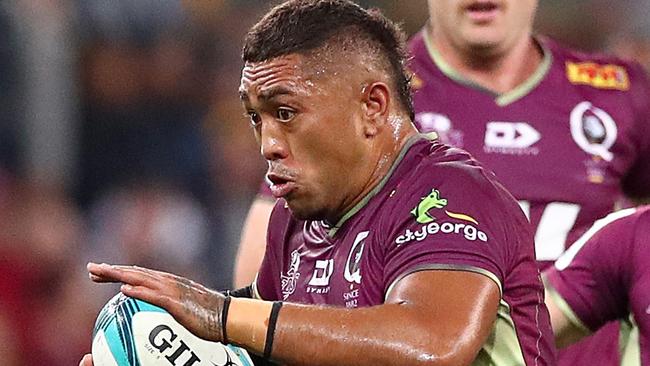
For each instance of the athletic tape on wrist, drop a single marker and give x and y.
(224, 318)
(270, 331)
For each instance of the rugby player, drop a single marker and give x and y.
(563, 130)
(384, 247)
(605, 276)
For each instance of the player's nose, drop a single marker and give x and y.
(273, 143)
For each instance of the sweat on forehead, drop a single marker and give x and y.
(307, 73)
(337, 58)
(346, 53)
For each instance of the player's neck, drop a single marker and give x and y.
(384, 154)
(497, 71)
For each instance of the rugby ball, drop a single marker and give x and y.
(131, 332)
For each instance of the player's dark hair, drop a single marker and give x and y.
(300, 26)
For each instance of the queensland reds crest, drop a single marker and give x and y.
(353, 264)
(594, 130)
(290, 279)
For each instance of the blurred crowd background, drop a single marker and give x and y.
(122, 140)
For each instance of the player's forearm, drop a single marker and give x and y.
(380, 335)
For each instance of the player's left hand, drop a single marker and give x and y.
(193, 305)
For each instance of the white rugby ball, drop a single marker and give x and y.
(131, 332)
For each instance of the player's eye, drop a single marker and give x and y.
(254, 118)
(285, 115)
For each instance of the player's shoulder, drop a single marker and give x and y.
(618, 228)
(444, 189)
(595, 70)
(626, 218)
(435, 166)
(641, 219)
(445, 164)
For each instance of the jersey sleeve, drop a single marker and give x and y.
(453, 224)
(590, 281)
(636, 183)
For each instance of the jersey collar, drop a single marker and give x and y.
(356, 208)
(501, 99)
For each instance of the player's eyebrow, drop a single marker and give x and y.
(268, 93)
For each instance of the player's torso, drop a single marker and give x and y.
(426, 217)
(340, 269)
(559, 146)
(354, 263)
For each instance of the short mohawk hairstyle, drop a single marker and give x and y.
(300, 26)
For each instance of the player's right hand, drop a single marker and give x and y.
(87, 360)
(193, 305)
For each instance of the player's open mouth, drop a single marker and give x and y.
(482, 11)
(280, 186)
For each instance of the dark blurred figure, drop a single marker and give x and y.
(10, 90)
(635, 46)
(632, 40)
(146, 74)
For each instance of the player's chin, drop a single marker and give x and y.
(483, 37)
(304, 208)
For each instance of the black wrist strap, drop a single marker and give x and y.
(224, 319)
(270, 331)
(246, 292)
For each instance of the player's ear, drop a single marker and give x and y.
(375, 98)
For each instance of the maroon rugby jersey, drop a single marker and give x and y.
(437, 209)
(562, 143)
(606, 276)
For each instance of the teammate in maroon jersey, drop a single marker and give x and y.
(419, 254)
(562, 130)
(605, 276)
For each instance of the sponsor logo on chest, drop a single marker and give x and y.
(598, 76)
(325, 273)
(453, 223)
(512, 138)
(320, 278)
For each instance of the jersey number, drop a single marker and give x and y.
(553, 228)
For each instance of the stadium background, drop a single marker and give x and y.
(122, 140)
